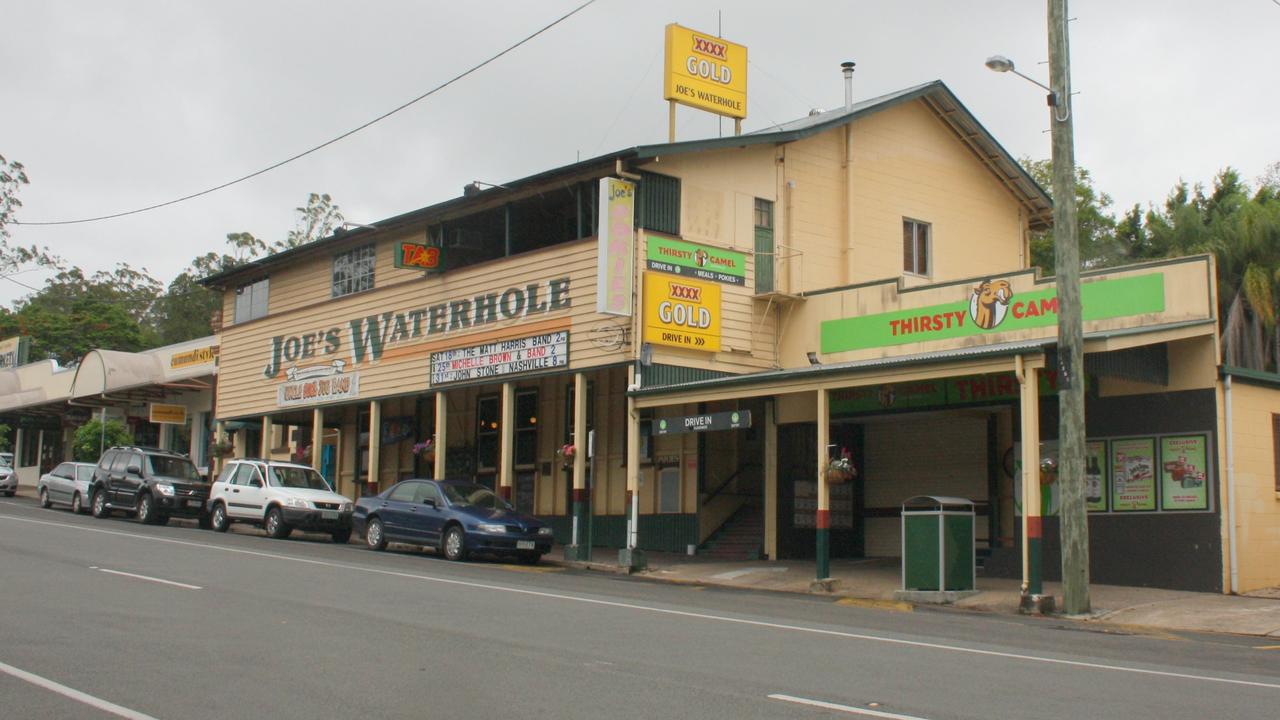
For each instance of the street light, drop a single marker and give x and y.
(1000, 63)
(1071, 426)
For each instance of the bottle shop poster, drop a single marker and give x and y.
(1184, 476)
(1133, 479)
(1095, 475)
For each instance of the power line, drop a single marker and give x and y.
(327, 143)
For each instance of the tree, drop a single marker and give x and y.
(74, 314)
(1096, 226)
(88, 442)
(13, 258)
(1243, 234)
(317, 219)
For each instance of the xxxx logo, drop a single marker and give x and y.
(707, 46)
(684, 292)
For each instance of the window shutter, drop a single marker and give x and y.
(658, 203)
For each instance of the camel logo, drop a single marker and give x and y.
(989, 303)
(700, 257)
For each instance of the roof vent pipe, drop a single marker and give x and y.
(847, 67)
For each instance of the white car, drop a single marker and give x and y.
(67, 484)
(279, 496)
(8, 478)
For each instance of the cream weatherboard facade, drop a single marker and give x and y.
(855, 283)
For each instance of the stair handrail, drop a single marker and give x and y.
(732, 476)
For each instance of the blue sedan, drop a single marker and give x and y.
(457, 518)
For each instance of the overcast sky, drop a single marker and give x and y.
(114, 106)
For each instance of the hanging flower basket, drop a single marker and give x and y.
(836, 476)
(565, 455)
(841, 470)
(426, 450)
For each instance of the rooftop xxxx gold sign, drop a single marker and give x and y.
(681, 312)
(706, 72)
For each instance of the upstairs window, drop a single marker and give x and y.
(917, 247)
(353, 270)
(251, 301)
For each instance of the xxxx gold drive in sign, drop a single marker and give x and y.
(681, 313)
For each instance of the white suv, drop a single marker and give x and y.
(279, 496)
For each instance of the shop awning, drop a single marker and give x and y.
(108, 372)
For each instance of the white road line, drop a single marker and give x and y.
(843, 708)
(74, 694)
(148, 578)
(677, 613)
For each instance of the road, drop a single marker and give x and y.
(109, 618)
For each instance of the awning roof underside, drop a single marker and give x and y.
(116, 373)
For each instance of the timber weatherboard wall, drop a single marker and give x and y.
(1257, 501)
(243, 389)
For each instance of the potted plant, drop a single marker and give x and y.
(221, 449)
(425, 450)
(566, 454)
(840, 469)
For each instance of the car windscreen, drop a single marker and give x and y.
(478, 495)
(6, 460)
(172, 467)
(301, 478)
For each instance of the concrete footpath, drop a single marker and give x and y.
(872, 582)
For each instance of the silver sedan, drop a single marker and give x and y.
(67, 484)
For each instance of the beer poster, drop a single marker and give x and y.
(1184, 472)
(1095, 476)
(1133, 479)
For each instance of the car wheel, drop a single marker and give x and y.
(218, 521)
(342, 536)
(100, 503)
(455, 544)
(77, 504)
(373, 536)
(44, 498)
(146, 510)
(276, 526)
(530, 558)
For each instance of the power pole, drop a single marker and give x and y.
(1071, 427)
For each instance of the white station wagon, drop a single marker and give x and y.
(279, 496)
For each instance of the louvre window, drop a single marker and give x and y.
(658, 203)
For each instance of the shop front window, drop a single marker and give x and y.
(526, 427)
(488, 432)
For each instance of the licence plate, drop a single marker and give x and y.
(524, 544)
(195, 503)
(329, 514)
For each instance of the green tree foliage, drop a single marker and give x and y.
(317, 219)
(1096, 227)
(1242, 231)
(5, 443)
(73, 314)
(87, 444)
(126, 308)
(14, 258)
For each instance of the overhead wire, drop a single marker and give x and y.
(325, 144)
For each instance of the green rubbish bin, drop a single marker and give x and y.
(937, 543)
